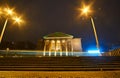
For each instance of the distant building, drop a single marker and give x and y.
(60, 42)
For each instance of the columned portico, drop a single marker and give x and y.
(57, 43)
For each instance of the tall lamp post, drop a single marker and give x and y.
(84, 11)
(9, 13)
(3, 30)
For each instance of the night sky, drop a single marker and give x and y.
(48, 16)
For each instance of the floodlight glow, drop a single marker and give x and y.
(93, 51)
(9, 11)
(17, 20)
(85, 9)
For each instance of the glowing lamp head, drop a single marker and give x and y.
(17, 20)
(85, 10)
(9, 11)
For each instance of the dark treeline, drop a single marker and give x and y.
(19, 45)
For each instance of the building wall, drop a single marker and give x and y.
(77, 45)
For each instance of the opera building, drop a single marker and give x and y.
(59, 43)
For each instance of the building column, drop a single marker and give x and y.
(55, 49)
(66, 47)
(71, 47)
(44, 49)
(60, 47)
(50, 44)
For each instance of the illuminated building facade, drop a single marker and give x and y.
(59, 43)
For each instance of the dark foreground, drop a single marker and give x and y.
(99, 63)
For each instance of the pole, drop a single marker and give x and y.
(3, 30)
(96, 37)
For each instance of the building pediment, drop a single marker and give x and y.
(57, 35)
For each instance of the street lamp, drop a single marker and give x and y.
(9, 13)
(85, 11)
(17, 20)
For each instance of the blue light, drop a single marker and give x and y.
(93, 51)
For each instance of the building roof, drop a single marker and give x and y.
(57, 35)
